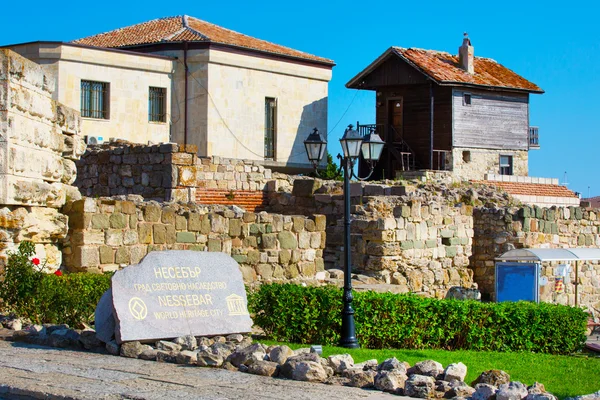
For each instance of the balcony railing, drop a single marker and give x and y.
(534, 137)
(442, 160)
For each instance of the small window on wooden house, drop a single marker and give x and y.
(466, 99)
(506, 165)
(157, 104)
(95, 99)
(270, 127)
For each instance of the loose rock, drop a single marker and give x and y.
(340, 362)
(209, 359)
(455, 372)
(420, 386)
(133, 349)
(427, 368)
(186, 357)
(167, 346)
(280, 354)
(391, 381)
(265, 368)
(187, 342)
(494, 377)
(511, 391)
(484, 391)
(309, 371)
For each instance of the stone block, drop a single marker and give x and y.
(145, 233)
(86, 256)
(214, 245)
(304, 240)
(123, 255)
(118, 221)
(114, 237)
(100, 221)
(269, 241)
(181, 223)
(107, 255)
(305, 187)
(128, 207)
(235, 227)
(186, 237)
(307, 268)
(451, 251)
(218, 224)
(194, 222)
(287, 240)
(152, 213)
(171, 234)
(160, 233)
(320, 222)
(168, 216)
(298, 224)
(265, 271)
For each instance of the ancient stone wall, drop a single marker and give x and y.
(39, 141)
(420, 245)
(168, 172)
(106, 234)
(498, 230)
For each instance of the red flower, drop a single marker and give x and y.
(57, 273)
(35, 261)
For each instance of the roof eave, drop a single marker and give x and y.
(330, 64)
(489, 87)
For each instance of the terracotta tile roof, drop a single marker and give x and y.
(594, 201)
(180, 28)
(531, 189)
(445, 68)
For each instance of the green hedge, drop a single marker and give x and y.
(47, 298)
(298, 314)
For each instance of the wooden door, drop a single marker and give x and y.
(395, 108)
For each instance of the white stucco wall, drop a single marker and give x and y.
(238, 86)
(130, 77)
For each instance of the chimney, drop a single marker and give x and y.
(466, 55)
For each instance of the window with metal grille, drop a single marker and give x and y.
(270, 127)
(506, 165)
(157, 104)
(94, 99)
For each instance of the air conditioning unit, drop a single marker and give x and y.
(94, 140)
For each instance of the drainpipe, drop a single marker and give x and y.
(185, 94)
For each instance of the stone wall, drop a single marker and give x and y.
(474, 164)
(420, 245)
(498, 230)
(167, 172)
(39, 141)
(107, 233)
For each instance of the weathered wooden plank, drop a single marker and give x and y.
(493, 120)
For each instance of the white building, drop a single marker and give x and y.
(184, 80)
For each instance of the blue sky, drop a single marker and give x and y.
(554, 44)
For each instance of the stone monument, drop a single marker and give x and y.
(175, 293)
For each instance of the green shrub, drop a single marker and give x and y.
(299, 314)
(30, 293)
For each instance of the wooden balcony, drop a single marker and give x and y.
(534, 138)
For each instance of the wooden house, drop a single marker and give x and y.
(438, 111)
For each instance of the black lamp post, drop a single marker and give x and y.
(352, 144)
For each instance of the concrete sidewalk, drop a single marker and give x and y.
(33, 372)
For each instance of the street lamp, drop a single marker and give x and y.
(352, 143)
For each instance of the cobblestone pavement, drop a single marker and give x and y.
(35, 372)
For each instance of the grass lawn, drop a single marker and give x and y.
(564, 376)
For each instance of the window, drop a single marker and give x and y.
(466, 156)
(270, 127)
(157, 104)
(94, 99)
(467, 99)
(506, 165)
